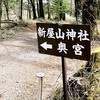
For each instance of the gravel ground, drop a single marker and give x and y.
(19, 63)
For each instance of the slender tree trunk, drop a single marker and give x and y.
(61, 14)
(0, 12)
(33, 8)
(29, 10)
(98, 10)
(71, 7)
(20, 9)
(38, 8)
(7, 8)
(48, 3)
(41, 11)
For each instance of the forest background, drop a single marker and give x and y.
(23, 13)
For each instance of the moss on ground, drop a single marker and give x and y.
(90, 74)
(94, 80)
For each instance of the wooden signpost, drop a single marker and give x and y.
(64, 40)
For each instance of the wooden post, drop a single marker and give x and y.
(64, 75)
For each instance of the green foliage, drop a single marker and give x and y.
(5, 33)
(58, 93)
(45, 8)
(88, 86)
(59, 6)
(65, 7)
(94, 80)
(92, 77)
(11, 1)
(14, 1)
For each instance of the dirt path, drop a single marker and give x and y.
(19, 63)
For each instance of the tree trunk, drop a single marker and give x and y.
(86, 13)
(29, 10)
(0, 11)
(90, 14)
(71, 7)
(38, 8)
(33, 8)
(48, 3)
(98, 10)
(7, 8)
(78, 11)
(61, 14)
(20, 9)
(41, 11)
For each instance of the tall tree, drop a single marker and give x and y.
(98, 10)
(0, 11)
(38, 8)
(86, 13)
(7, 8)
(20, 9)
(29, 10)
(78, 11)
(48, 3)
(33, 8)
(90, 13)
(41, 10)
(62, 12)
(59, 8)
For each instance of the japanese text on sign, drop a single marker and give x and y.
(69, 34)
(66, 40)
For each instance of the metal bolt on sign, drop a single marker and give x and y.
(40, 75)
